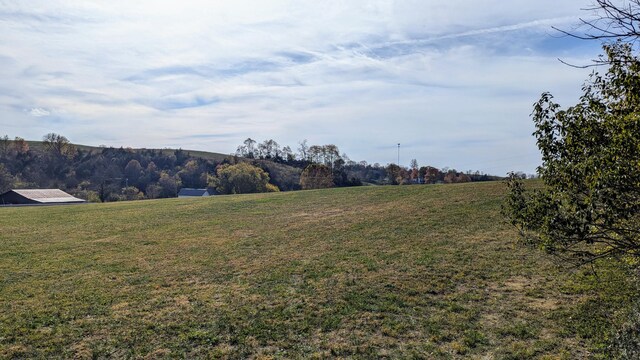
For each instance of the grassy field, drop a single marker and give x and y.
(397, 272)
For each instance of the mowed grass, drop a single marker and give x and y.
(397, 272)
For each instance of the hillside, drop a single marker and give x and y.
(217, 157)
(415, 271)
(106, 174)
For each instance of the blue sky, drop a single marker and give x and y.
(452, 81)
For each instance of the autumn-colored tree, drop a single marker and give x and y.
(4, 145)
(153, 191)
(6, 179)
(397, 175)
(58, 145)
(431, 175)
(132, 193)
(454, 177)
(133, 171)
(19, 145)
(193, 174)
(415, 172)
(241, 178)
(316, 176)
(168, 185)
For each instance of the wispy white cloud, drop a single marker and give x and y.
(535, 24)
(452, 80)
(39, 112)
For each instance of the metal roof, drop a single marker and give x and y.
(193, 192)
(47, 196)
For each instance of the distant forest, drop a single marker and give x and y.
(113, 174)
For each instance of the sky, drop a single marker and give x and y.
(452, 81)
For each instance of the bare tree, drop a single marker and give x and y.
(315, 153)
(330, 154)
(414, 164)
(415, 173)
(614, 20)
(269, 149)
(247, 150)
(287, 154)
(303, 150)
(58, 145)
(6, 179)
(20, 145)
(250, 146)
(242, 151)
(4, 144)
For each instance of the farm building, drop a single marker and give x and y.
(38, 197)
(188, 192)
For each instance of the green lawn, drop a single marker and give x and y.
(397, 272)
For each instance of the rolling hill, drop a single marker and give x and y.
(391, 272)
(217, 157)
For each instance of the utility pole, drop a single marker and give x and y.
(398, 154)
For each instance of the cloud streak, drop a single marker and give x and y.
(455, 80)
(39, 112)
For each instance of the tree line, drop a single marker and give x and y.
(328, 162)
(104, 174)
(114, 174)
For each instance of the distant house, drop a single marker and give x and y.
(38, 197)
(188, 192)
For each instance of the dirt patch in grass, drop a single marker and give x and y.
(517, 283)
(544, 304)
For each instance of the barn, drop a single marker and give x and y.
(38, 197)
(188, 192)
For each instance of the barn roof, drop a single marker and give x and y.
(192, 192)
(47, 196)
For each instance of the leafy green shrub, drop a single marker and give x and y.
(241, 178)
(589, 207)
